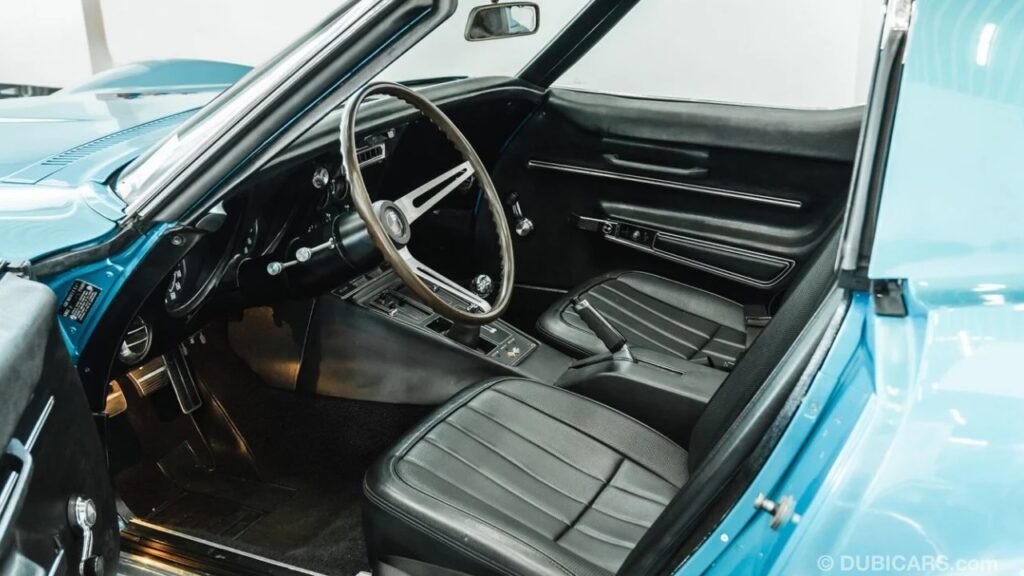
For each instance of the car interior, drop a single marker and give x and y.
(286, 392)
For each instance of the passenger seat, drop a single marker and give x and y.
(658, 314)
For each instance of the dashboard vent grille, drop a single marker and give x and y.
(137, 340)
(370, 154)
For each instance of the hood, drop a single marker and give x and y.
(57, 152)
(114, 107)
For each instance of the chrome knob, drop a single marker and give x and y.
(275, 268)
(321, 178)
(303, 254)
(524, 227)
(482, 285)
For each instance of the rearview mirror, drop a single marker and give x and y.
(502, 21)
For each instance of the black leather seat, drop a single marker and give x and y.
(517, 477)
(653, 313)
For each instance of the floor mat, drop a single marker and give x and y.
(314, 527)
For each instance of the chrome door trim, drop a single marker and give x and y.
(709, 268)
(746, 196)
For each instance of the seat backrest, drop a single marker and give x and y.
(753, 369)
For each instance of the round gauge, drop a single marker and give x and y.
(251, 239)
(176, 285)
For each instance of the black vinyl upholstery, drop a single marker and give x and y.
(653, 313)
(518, 477)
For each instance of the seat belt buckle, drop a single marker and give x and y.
(756, 315)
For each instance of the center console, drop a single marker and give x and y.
(383, 293)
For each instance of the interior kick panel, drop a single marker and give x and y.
(734, 198)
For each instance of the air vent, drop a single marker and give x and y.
(77, 153)
(136, 342)
(370, 154)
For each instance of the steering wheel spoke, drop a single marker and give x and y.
(433, 277)
(388, 223)
(410, 205)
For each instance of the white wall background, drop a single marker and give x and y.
(791, 53)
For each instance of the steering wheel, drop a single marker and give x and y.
(390, 223)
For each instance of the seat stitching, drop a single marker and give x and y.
(642, 496)
(598, 440)
(591, 502)
(433, 442)
(652, 326)
(622, 519)
(505, 426)
(638, 303)
(398, 475)
(582, 529)
(514, 463)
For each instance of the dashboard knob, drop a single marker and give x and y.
(524, 227)
(483, 285)
(321, 178)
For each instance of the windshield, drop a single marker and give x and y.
(446, 53)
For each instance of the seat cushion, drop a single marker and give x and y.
(654, 313)
(517, 477)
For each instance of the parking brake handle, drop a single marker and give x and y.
(612, 339)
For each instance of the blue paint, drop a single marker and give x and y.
(744, 543)
(58, 152)
(109, 275)
(916, 464)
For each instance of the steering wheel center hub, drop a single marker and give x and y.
(394, 222)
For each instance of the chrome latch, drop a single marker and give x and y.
(523, 225)
(83, 517)
(782, 511)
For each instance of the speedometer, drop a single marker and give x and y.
(177, 283)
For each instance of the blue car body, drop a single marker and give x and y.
(907, 452)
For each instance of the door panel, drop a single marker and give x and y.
(728, 198)
(52, 454)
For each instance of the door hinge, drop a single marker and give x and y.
(888, 298)
(21, 268)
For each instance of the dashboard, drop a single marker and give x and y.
(299, 202)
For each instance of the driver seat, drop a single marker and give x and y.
(517, 477)
(513, 476)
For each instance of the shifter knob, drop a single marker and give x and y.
(483, 285)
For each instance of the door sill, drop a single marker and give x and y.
(182, 554)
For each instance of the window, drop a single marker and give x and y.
(782, 53)
(445, 52)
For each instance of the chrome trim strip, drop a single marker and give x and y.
(204, 542)
(708, 267)
(38, 428)
(747, 196)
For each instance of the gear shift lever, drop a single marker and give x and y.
(465, 334)
(612, 339)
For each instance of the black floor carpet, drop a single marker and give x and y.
(315, 527)
(262, 470)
